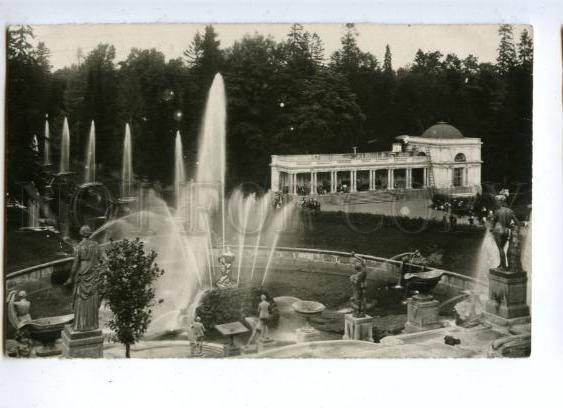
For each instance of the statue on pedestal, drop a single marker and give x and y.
(263, 317)
(503, 223)
(358, 281)
(259, 326)
(226, 262)
(85, 277)
(514, 252)
(198, 331)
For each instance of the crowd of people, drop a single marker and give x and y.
(309, 202)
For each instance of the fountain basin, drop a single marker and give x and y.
(424, 281)
(47, 331)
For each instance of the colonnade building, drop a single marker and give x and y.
(441, 159)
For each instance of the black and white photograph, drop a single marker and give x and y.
(268, 191)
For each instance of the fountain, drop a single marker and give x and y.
(179, 174)
(90, 167)
(280, 220)
(239, 212)
(307, 309)
(210, 174)
(64, 167)
(35, 144)
(487, 258)
(127, 165)
(46, 146)
(189, 255)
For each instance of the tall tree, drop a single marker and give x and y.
(27, 85)
(506, 58)
(525, 49)
(99, 104)
(349, 57)
(387, 61)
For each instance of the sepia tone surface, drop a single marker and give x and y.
(274, 190)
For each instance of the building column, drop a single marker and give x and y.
(352, 181)
(275, 180)
(425, 177)
(371, 180)
(290, 183)
(313, 183)
(466, 176)
(294, 183)
(408, 177)
(390, 181)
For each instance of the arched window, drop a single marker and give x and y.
(460, 157)
(421, 154)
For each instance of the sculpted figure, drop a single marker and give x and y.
(263, 317)
(226, 261)
(18, 308)
(198, 331)
(358, 281)
(85, 277)
(503, 221)
(514, 252)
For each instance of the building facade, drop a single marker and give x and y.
(441, 159)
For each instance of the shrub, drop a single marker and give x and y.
(220, 306)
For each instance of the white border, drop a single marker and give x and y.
(381, 383)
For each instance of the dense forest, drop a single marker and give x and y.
(283, 97)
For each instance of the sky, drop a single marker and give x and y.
(172, 39)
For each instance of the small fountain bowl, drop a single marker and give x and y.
(47, 329)
(308, 307)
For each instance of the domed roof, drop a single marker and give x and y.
(442, 130)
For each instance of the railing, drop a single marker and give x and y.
(348, 158)
(305, 254)
(456, 190)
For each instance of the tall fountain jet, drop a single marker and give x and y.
(127, 165)
(90, 174)
(210, 174)
(179, 172)
(35, 144)
(65, 148)
(47, 147)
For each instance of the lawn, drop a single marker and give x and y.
(455, 250)
(28, 248)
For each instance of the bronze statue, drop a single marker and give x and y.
(503, 221)
(514, 252)
(358, 281)
(85, 277)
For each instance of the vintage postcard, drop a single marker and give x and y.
(268, 191)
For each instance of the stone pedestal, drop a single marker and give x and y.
(265, 344)
(230, 350)
(307, 334)
(358, 328)
(422, 314)
(507, 304)
(49, 350)
(249, 349)
(82, 344)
